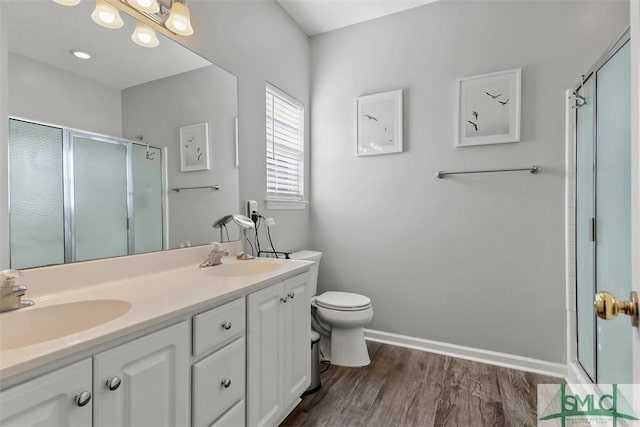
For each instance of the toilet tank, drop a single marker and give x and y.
(310, 256)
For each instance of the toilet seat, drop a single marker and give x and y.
(343, 301)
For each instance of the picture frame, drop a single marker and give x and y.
(194, 147)
(379, 123)
(488, 108)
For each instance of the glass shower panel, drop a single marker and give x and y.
(585, 247)
(36, 194)
(100, 198)
(147, 199)
(613, 207)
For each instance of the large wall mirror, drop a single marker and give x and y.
(95, 144)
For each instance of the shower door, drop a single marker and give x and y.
(148, 202)
(36, 197)
(78, 196)
(100, 203)
(603, 216)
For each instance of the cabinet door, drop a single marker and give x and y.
(154, 375)
(49, 400)
(297, 339)
(234, 417)
(265, 356)
(218, 383)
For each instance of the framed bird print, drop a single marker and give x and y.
(489, 108)
(379, 123)
(194, 147)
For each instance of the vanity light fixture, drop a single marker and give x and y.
(107, 15)
(179, 20)
(67, 2)
(144, 36)
(80, 54)
(150, 15)
(149, 6)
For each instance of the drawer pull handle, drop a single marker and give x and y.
(83, 398)
(226, 325)
(226, 383)
(114, 383)
(284, 299)
(291, 295)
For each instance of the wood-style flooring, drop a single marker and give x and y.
(404, 387)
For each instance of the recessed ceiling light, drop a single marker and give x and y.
(80, 54)
(67, 2)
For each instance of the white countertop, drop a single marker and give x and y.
(154, 298)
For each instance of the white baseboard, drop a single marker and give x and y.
(469, 353)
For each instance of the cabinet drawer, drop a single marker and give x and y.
(218, 383)
(218, 326)
(234, 417)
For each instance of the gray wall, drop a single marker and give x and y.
(206, 95)
(475, 260)
(258, 42)
(43, 93)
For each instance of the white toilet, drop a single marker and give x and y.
(340, 315)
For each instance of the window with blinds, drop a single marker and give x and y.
(285, 146)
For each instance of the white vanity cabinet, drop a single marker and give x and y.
(53, 399)
(142, 382)
(219, 378)
(237, 363)
(145, 381)
(297, 359)
(278, 350)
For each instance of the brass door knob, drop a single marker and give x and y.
(607, 306)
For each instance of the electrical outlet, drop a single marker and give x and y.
(252, 205)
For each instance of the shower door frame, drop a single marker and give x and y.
(69, 188)
(68, 184)
(575, 372)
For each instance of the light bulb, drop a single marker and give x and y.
(67, 2)
(149, 6)
(106, 15)
(179, 20)
(144, 36)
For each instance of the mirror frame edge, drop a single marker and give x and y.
(4, 145)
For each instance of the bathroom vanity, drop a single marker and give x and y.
(224, 345)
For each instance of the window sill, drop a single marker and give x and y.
(275, 204)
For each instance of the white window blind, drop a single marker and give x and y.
(285, 146)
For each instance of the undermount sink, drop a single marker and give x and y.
(244, 268)
(33, 325)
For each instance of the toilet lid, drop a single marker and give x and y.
(343, 301)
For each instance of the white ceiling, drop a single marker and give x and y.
(320, 16)
(46, 31)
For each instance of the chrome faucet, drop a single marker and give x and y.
(215, 256)
(11, 293)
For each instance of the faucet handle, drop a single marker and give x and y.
(19, 290)
(8, 278)
(216, 253)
